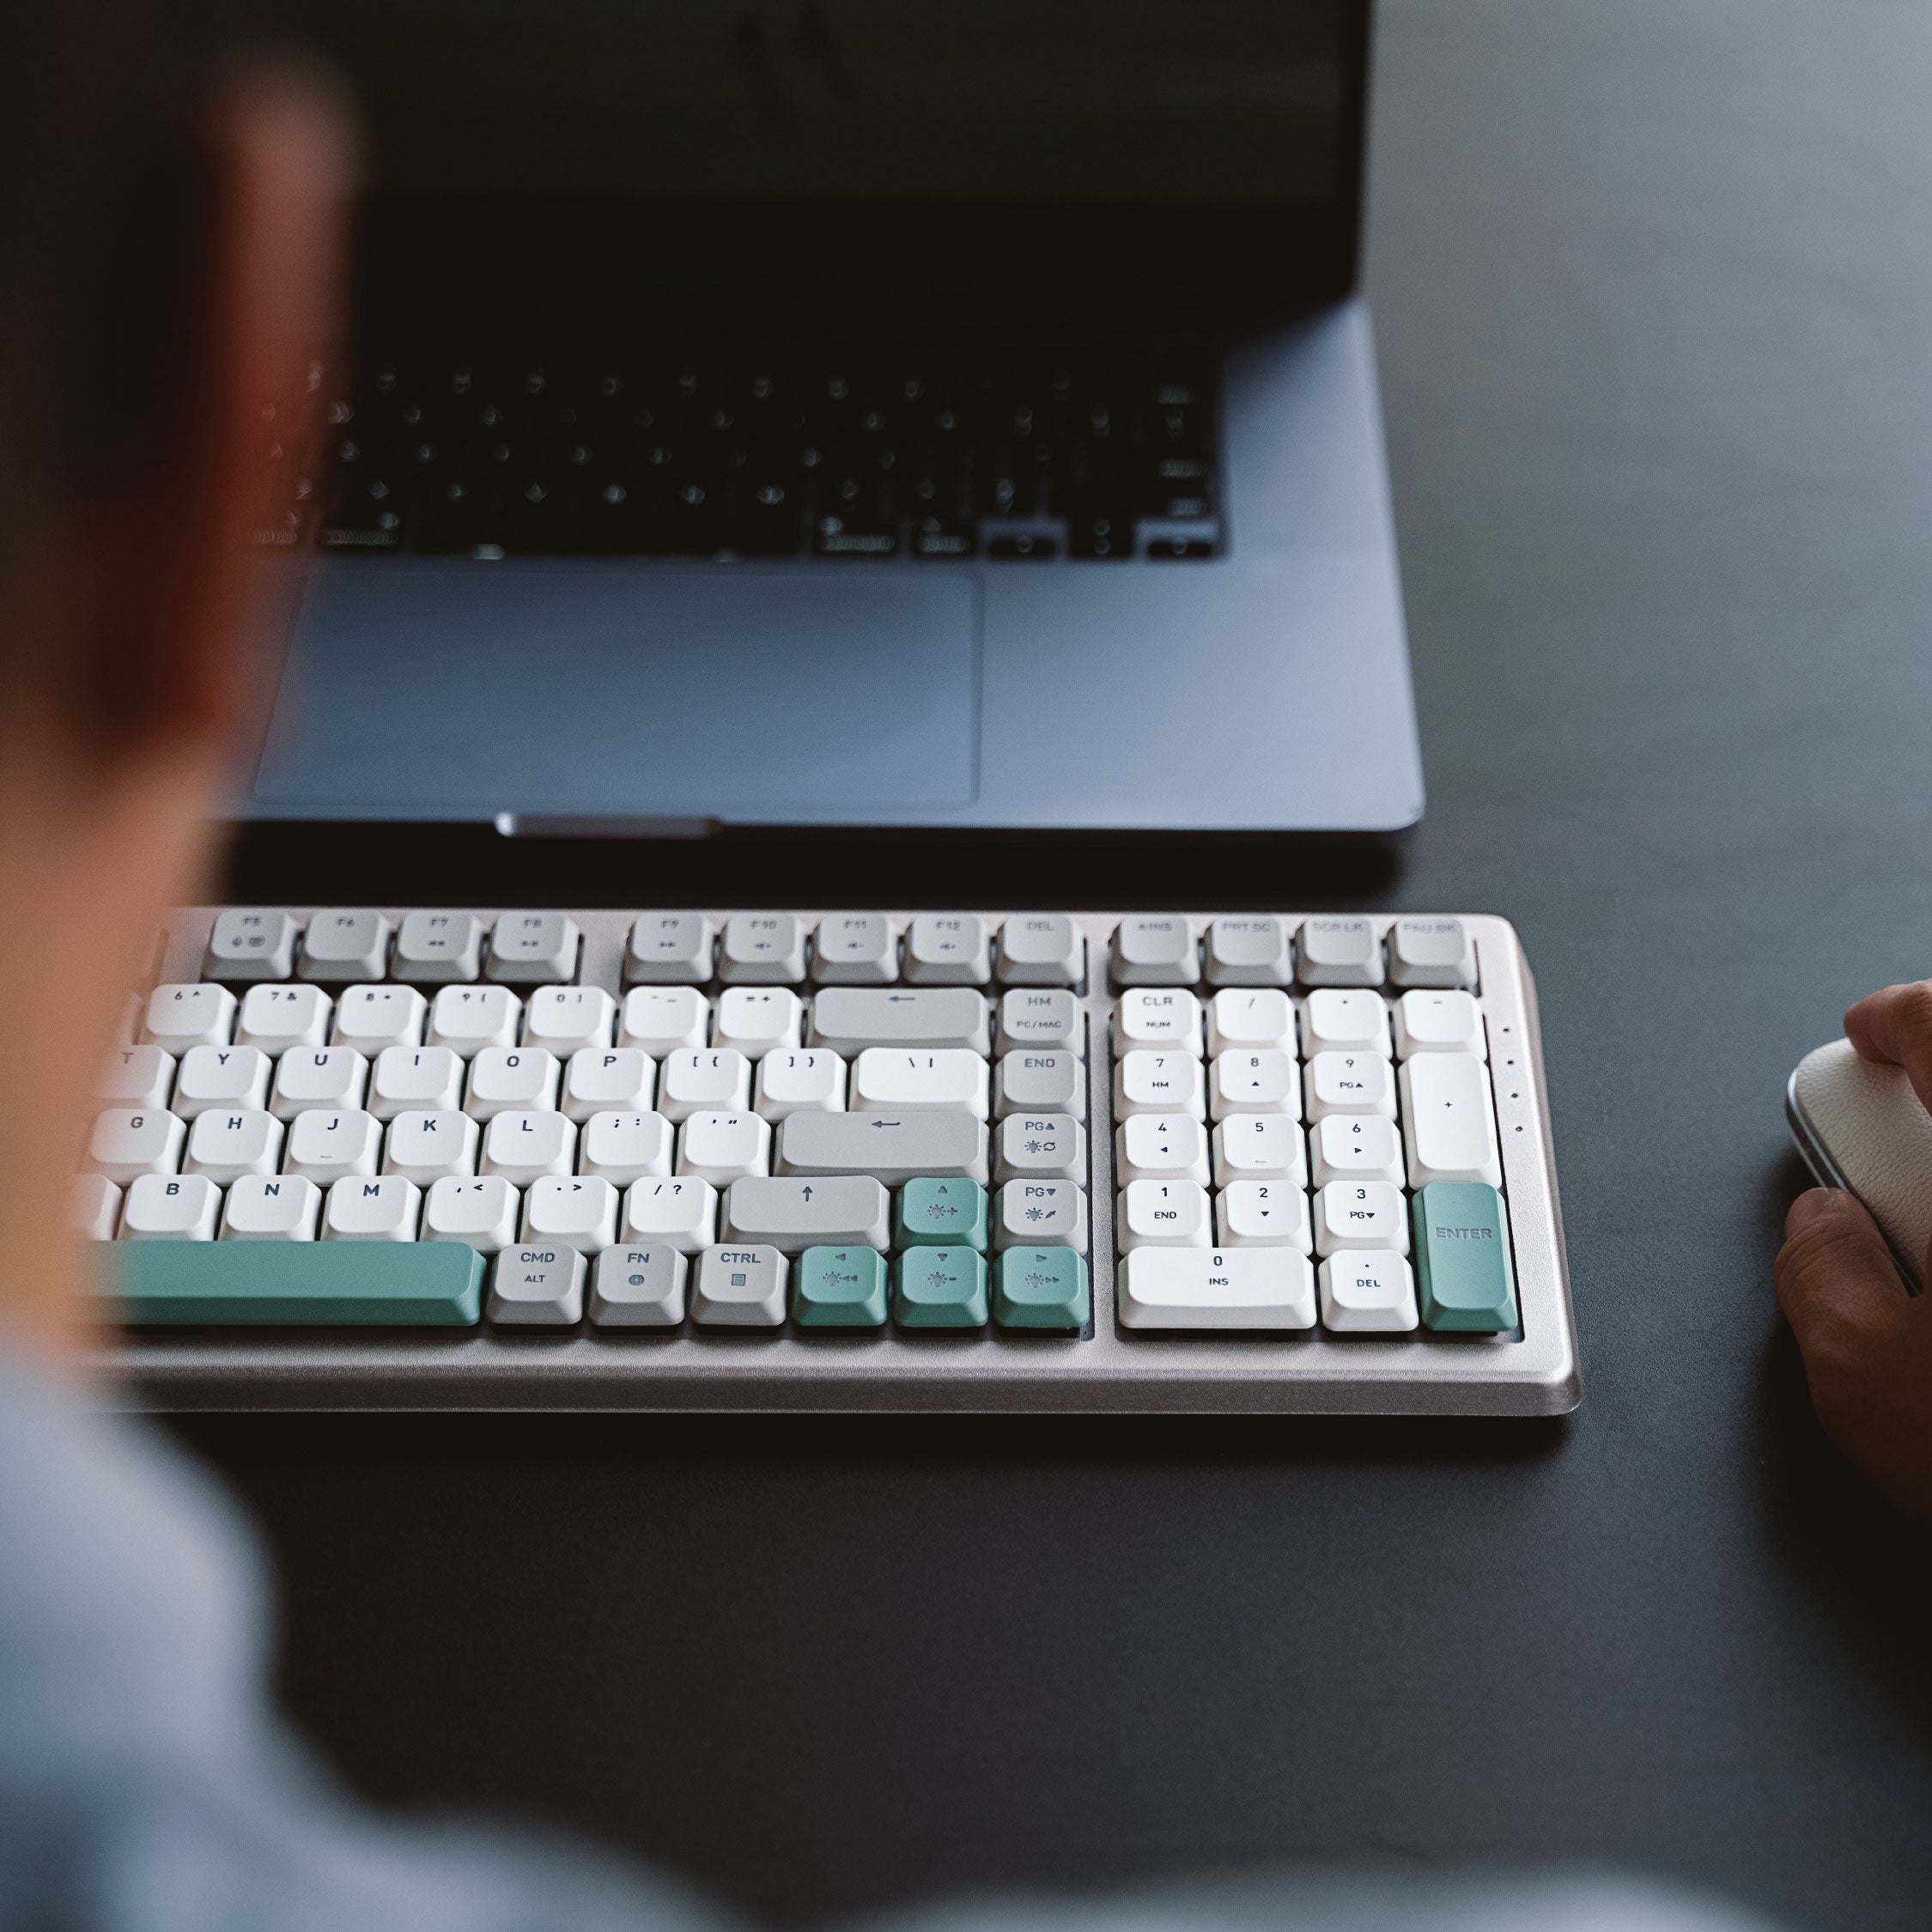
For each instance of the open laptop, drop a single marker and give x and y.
(859, 412)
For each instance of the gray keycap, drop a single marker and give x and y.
(839, 1210)
(638, 1288)
(763, 949)
(1041, 1214)
(537, 1287)
(1249, 949)
(345, 943)
(533, 948)
(1053, 1082)
(892, 1146)
(1337, 952)
(1430, 952)
(740, 1287)
(252, 944)
(1040, 1017)
(1042, 1147)
(855, 949)
(848, 1019)
(1155, 949)
(669, 948)
(948, 949)
(439, 948)
(1041, 949)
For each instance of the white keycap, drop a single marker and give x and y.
(328, 1144)
(571, 1210)
(1040, 1147)
(225, 1146)
(384, 1208)
(949, 1077)
(526, 947)
(1337, 952)
(524, 1146)
(800, 1077)
(94, 1207)
(252, 944)
(1155, 949)
(762, 949)
(1231, 1288)
(227, 1077)
(1449, 1120)
(599, 1079)
(670, 948)
(371, 1017)
(1041, 1213)
(466, 1019)
(1344, 1020)
(345, 944)
(1356, 1147)
(696, 1079)
(272, 1207)
(1042, 1017)
(1251, 1080)
(855, 949)
(1358, 1083)
(948, 949)
(277, 1018)
(1030, 1082)
(171, 1207)
(1163, 1214)
(538, 1286)
(128, 1141)
(1159, 1147)
(1258, 1147)
(1430, 952)
(424, 1146)
(411, 1077)
(624, 1147)
(325, 1076)
(1150, 1080)
(141, 1077)
(1157, 1017)
(1367, 1293)
(1248, 950)
(1263, 1214)
(682, 1212)
(565, 1017)
(482, 1212)
(1361, 1214)
(1041, 949)
(180, 1016)
(756, 1018)
(439, 948)
(739, 1287)
(659, 1019)
(1260, 1018)
(1439, 1023)
(638, 1287)
(721, 1146)
(501, 1077)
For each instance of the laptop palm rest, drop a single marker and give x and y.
(733, 691)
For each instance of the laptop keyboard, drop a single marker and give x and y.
(747, 1159)
(845, 457)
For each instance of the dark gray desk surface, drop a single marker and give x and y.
(1655, 299)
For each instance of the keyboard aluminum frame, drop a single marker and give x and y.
(1535, 1373)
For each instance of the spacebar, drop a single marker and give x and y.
(892, 1147)
(332, 1284)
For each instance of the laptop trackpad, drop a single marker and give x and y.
(748, 692)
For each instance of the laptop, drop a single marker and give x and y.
(882, 413)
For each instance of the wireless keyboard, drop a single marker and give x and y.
(360, 1157)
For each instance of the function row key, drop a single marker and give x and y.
(346, 944)
(1258, 949)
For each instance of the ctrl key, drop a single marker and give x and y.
(740, 1288)
(537, 1287)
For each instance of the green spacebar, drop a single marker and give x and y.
(414, 1283)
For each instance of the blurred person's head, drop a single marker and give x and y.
(167, 215)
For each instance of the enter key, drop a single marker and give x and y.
(1464, 1281)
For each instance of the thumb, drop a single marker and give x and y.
(1835, 1275)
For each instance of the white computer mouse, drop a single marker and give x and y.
(1861, 1128)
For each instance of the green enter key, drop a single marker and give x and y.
(1463, 1278)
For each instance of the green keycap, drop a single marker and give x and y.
(939, 1288)
(1041, 1288)
(839, 1288)
(940, 1213)
(1462, 1275)
(333, 1284)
